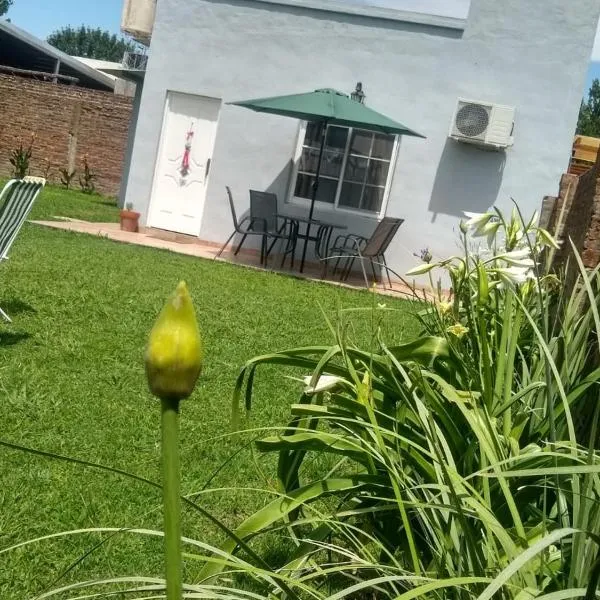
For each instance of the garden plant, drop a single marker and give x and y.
(459, 465)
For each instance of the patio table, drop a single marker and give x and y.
(324, 229)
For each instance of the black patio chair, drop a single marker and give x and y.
(258, 224)
(263, 212)
(351, 247)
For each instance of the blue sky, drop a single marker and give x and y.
(41, 17)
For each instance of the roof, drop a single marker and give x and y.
(100, 65)
(21, 50)
(135, 75)
(375, 12)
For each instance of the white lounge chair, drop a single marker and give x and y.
(16, 201)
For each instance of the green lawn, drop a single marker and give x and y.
(72, 382)
(58, 202)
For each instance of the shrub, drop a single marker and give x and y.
(66, 177)
(47, 173)
(449, 466)
(20, 157)
(86, 179)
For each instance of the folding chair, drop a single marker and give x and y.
(16, 201)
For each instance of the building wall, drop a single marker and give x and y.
(532, 55)
(68, 123)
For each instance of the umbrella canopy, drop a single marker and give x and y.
(326, 107)
(330, 107)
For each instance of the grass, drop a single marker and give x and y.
(72, 383)
(58, 202)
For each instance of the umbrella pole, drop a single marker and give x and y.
(314, 193)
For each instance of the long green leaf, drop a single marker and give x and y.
(518, 563)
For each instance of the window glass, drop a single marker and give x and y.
(354, 169)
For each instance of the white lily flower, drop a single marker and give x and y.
(477, 221)
(489, 231)
(514, 275)
(519, 254)
(526, 263)
(518, 258)
(421, 269)
(324, 383)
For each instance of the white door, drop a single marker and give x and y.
(184, 162)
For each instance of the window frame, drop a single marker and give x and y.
(336, 207)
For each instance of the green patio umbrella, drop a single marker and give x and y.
(326, 107)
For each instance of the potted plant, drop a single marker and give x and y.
(129, 218)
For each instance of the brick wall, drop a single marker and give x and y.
(68, 122)
(575, 214)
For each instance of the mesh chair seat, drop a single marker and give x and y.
(352, 247)
(263, 222)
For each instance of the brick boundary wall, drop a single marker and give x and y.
(68, 122)
(575, 214)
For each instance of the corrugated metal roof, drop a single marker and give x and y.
(21, 50)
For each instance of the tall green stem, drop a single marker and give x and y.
(171, 497)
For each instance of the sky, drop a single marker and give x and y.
(41, 17)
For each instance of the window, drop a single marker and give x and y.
(356, 167)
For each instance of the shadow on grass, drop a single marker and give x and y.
(12, 338)
(14, 306)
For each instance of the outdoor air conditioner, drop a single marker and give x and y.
(483, 124)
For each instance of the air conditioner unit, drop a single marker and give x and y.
(483, 124)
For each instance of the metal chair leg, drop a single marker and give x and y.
(294, 245)
(284, 254)
(373, 269)
(364, 271)
(387, 270)
(263, 251)
(337, 264)
(240, 244)
(275, 240)
(325, 262)
(224, 246)
(348, 268)
(289, 247)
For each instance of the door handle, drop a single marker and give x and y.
(207, 170)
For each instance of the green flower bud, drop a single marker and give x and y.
(174, 354)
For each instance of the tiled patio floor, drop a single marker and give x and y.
(207, 250)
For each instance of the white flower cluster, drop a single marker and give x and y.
(512, 247)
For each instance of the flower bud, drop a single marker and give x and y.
(174, 353)
(458, 330)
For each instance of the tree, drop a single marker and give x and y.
(4, 6)
(589, 114)
(90, 43)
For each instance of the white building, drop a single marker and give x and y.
(528, 56)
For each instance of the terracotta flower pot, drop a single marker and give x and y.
(130, 220)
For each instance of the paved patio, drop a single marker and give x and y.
(191, 246)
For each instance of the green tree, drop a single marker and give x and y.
(90, 43)
(4, 6)
(589, 114)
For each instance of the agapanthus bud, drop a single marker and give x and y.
(174, 353)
